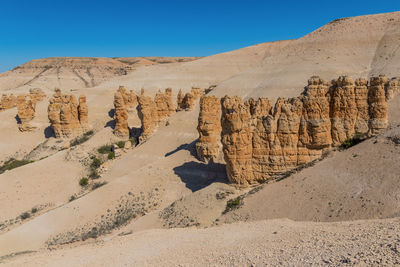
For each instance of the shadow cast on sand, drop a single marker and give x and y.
(197, 175)
(191, 147)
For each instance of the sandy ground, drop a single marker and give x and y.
(160, 184)
(271, 243)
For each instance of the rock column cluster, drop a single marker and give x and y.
(26, 105)
(260, 140)
(153, 112)
(124, 102)
(67, 117)
(186, 102)
(7, 102)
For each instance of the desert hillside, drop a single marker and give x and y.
(108, 170)
(76, 72)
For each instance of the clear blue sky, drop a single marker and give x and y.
(35, 29)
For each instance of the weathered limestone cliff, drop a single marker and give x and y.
(7, 102)
(153, 112)
(187, 101)
(83, 112)
(64, 115)
(120, 116)
(179, 101)
(260, 141)
(209, 127)
(36, 94)
(26, 112)
(130, 98)
(164, 104)
(148, 115)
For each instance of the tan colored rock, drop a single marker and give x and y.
(343, 110)
(120, 116)
(209, 127)
(26, 112)
(63, 113)
(37, 94)
(164, 104)
(7, 102)
(189, 100)
(179, 101)
(236, 138)
(130, 98)
(378, 108)
(83, 112)
(392, 88)
(148, 115)
(361, 98)
(260, 142)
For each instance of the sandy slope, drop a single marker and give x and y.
(357, 46)
(272, 243)
(76, 72)
(203, 72)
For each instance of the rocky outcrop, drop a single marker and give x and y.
(63, 113)
(209, 127)
(83, 112)
(153, 112)
(26, 112)
(179, 101)
(188, 101)
(164, 104)
(121, 128)
(378, 107)
(130, 98)
(26, 106)
(148, 115)
(392, 87)
(7, 102)
(36, 94)
(260, 141)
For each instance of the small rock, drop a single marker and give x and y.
(128, 145)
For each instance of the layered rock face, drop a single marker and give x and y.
(83, 112)
(26, 105)
(36, 94)
(152, 112)
(260, 141)
(7, 102)
(164, 104)
(124, 102)
(188, 101)
(148, 115)
(209, 127)
(26, 112)
(120, 116)
(64, 115)
(130, 98)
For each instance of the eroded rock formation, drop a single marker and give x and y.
(148, 115)
(26, 106)
(36, 94)
(130, 98)
(209, 127)
(7, 102)
(164, 104)
(64, 116)
(187, 101)
(260, 140)
(26, 112)
(120, 116)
